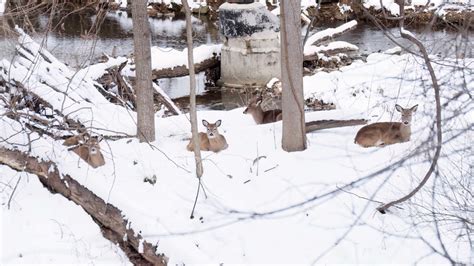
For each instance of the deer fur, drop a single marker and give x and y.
(212, 140)
(387, 133)
(262, 117)
(87, 148)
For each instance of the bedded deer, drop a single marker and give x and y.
(87, 148)
(262, 117)
(386, 133)
(212, 140)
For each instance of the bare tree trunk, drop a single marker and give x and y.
(192, 94)
(144, 89)
(294, 135)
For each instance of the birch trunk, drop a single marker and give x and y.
(294, 135)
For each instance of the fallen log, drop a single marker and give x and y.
(325, 124)
(110, 219)
(181, 71)
(330, 33)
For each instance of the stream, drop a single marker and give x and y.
(68, 43)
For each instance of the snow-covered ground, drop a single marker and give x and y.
(39, 227)
(259, 204)
(2, 6)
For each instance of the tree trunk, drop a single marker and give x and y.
(143, 87)
(294, 135)
(192, 93)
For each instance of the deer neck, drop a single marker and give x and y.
(258, 115)
(405, 130)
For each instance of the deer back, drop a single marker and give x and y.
(386, 133)
(262, 117)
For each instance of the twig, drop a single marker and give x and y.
(13, 192)
(382, 209)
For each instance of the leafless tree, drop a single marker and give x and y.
(294, 134)
(192, 94)
(144, 89)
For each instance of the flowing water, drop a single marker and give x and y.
(70, 45)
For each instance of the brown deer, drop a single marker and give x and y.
(262, 117)
(211, 140)
(386, 133)
(87, 148)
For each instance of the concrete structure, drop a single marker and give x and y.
(250, 56)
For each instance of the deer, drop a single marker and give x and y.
(87, 148)
(386, 133)
(262, 117)
(212, 140)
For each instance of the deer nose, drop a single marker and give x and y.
(405, 122)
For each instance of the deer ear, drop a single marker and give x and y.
(398, 108)
(205, 123)
(218, 123)
(413, 109)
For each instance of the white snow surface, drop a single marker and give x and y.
(40, 227)
(273, 210)
(2, 6)
(244, 216)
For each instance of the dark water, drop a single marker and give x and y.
(68, 42)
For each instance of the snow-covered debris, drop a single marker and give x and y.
(74, 94)
(332, 46)
(441, 7)
(162, 58)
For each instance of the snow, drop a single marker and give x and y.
(234, 223)
(278, 209)
(2, 6)
(329, 32)
(407, 32)
(42, 228)
(312, 49)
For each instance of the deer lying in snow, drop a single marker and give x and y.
(87, 148)
(262, 117)
(386, 133)
(211, 140)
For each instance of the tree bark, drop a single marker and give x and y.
(144, 90)
(192, 94)
(294, 135)
(110, 219)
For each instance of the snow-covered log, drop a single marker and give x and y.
(182, 70)
(330, 33)
(109, 218)
(71, 93)
(311, 52)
